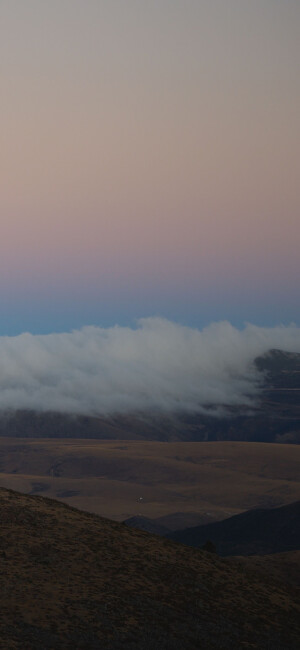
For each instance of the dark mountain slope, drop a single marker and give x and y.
(168, 523)
(253, 532)
(282, 368)
(75, 580)
(147, 524)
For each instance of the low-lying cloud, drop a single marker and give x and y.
(160, 366)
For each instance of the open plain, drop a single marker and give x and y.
(203, 481)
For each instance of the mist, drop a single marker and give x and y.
(159, 366)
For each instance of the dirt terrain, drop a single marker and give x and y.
(121, 479)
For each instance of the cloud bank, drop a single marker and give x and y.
(159, 366)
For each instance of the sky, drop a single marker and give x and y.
(149, 163)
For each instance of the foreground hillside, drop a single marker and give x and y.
(195, 482)
(75, 580)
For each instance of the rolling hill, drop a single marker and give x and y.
(75, 580)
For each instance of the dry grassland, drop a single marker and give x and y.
(72, 580)
(121, 479)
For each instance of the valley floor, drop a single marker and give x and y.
(121, 479)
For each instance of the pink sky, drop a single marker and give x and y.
(150, 159)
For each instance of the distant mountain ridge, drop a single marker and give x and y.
(276, 418)
(283, 368)
(255, 532)
(168, 523)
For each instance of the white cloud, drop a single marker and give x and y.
(158, 366)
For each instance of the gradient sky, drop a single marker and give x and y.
(149, 162)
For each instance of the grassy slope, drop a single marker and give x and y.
(74, 580)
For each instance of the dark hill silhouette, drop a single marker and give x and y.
(168, 523)
(147, 524)
(260, 531)
(70, 579)
(275, 419)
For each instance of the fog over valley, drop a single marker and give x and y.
(159, 366)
